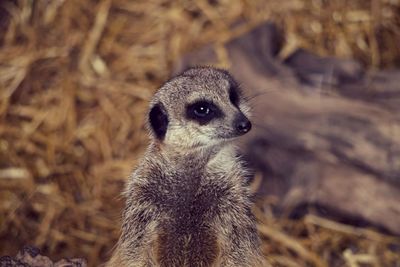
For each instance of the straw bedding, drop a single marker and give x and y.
(75, 80)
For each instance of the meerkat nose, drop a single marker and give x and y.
(242, 124)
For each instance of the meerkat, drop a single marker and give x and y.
(187, 203)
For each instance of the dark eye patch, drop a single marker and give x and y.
(234, 95)
(203, 111)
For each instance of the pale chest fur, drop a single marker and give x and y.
(194, 186)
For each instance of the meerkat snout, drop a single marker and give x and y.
(202, 106)
(242, 124)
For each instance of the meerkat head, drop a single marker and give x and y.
(202, 106)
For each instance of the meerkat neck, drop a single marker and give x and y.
(199, 154)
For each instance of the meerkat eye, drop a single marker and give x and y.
(234, 95)
(203, 112)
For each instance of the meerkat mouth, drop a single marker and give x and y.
(228, 137)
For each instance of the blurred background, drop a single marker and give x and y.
(75, 81)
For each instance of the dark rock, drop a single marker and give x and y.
(30, 257)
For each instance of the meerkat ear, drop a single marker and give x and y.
(158, 119)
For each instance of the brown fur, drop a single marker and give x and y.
(205, 253)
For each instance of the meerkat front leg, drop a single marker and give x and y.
(239, 242)
(138, 238)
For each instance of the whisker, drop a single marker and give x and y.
(264, 127)
(250, 98)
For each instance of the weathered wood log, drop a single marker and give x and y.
(327, 132)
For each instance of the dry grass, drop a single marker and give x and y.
(75, 78)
